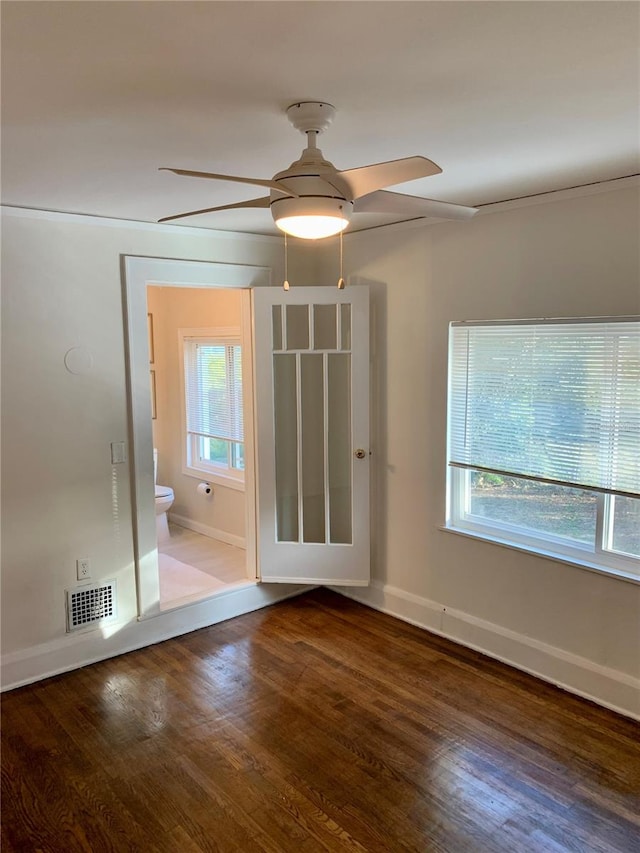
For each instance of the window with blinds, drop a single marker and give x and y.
(544, 435)
(214, 429)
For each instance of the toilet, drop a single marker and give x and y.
(164, 500)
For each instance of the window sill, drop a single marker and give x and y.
(619, 574)
(217, 479)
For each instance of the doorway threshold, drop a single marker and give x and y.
(206, 595)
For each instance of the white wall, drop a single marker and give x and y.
(61, 497)
(576, 257)
(176, 308)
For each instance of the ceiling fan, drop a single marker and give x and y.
(312, 199)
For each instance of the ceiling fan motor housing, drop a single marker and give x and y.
(316, 205)
(312, 175)
(320, 190)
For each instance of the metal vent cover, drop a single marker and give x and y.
(91, 605)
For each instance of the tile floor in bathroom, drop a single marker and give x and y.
(193, 566)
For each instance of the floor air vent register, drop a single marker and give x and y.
(91, 605)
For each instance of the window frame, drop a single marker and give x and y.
(192, 463)
(600, 557)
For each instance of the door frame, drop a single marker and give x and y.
(138, 272)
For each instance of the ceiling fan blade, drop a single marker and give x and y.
(366, 179)
(254, 202)
(257, 181)
(411, 205)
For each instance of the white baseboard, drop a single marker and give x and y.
(314, 582)
(608, 687)
(73, 651)
(211, 532)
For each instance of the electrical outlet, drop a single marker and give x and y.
(83, 568)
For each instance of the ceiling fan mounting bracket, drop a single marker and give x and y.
(311, 116)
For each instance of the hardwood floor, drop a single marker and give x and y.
(313, 725)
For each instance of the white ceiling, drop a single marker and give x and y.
(509, 98)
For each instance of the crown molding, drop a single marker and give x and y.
(488, 208)
(18, 212)
(613, 185)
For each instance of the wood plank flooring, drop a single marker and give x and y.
(204, 567)
(313, 725)
(225, 562)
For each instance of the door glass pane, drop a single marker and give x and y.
(339, 437)
(297, 327)
(312, 381)
(345, 326)
(286, 441)
(277, 326)
(324, 327)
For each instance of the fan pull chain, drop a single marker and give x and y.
(286, 263)
(341, 282)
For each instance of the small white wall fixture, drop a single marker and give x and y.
(138, 273)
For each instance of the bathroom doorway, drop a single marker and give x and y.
(211, 544)
(309, 349)
(197, 378)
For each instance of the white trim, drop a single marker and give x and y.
(135, 224)
(547, 545)
(230, 478)
(173, 272)
(76, 650)
(211, 532)
(138, 272)
(485, 209)
(608, 687)
(488, 208)
(250, 459)
(225, 334)
(546, 321)
(611, 185)
(317, 581)
(566, 559)
(195, 597)
(210, 475)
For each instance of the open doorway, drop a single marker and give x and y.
(310, 351)
(196, 384)
(195, 545)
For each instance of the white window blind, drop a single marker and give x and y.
(213, 384)
(554, 401)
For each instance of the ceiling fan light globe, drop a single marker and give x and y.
(311, 227)
(311, 218)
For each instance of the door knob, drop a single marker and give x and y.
(360, 453)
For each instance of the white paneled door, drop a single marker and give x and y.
(312, 395)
